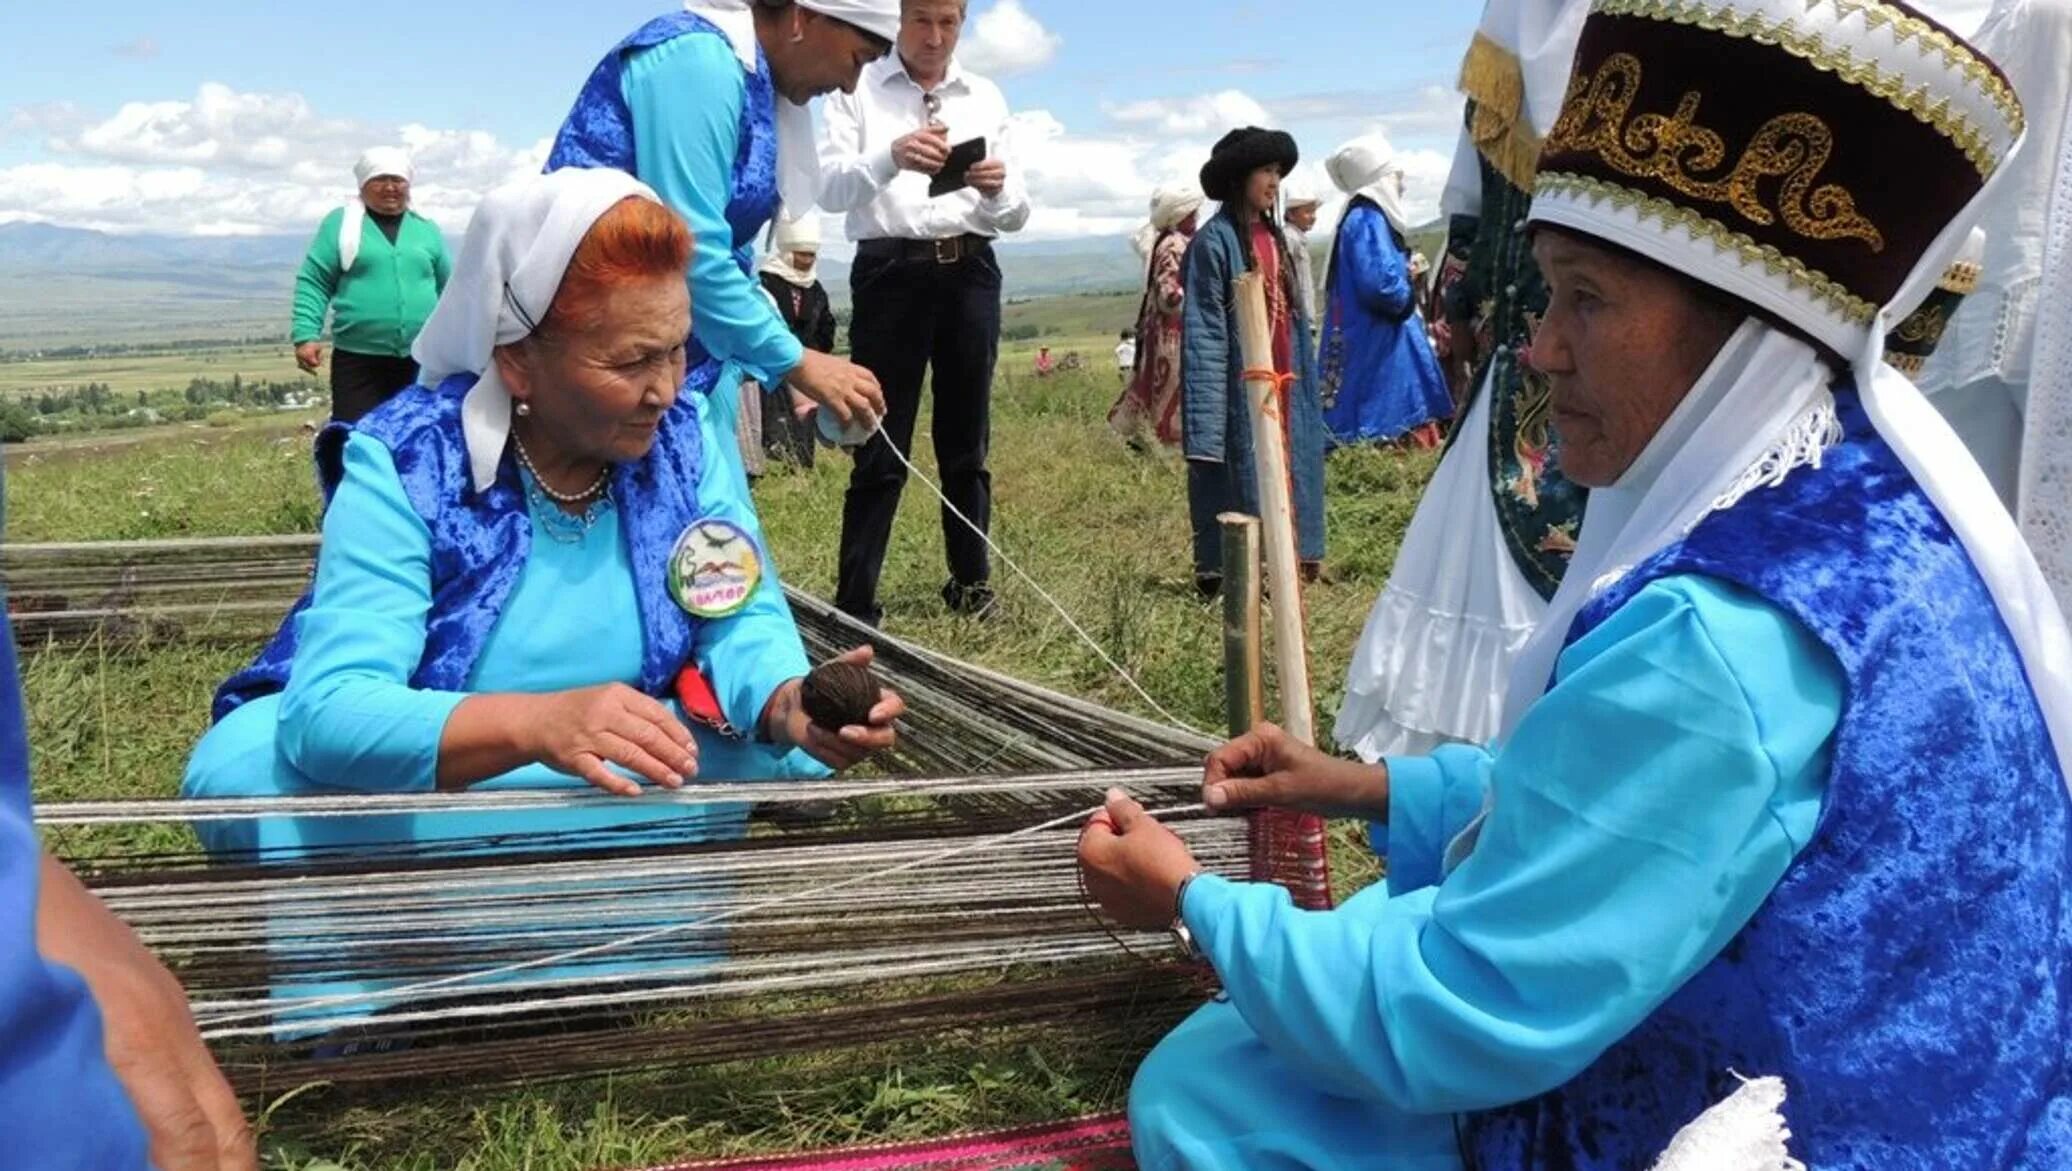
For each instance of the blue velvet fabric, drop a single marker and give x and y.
(598, 132)
(1216, 420)
(1378, 377)
(1909, 978)
(480, 540)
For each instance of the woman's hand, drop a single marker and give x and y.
(310, 356)
(1133, 865)
(192, 1118)
(839, 385)
(581, 732)
(785, 722)
(1266, 767)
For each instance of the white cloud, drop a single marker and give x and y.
(234, 163)
(1005, 39)
(1217, 112)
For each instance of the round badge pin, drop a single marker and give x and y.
(714, 569)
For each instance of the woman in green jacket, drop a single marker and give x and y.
(378, 267)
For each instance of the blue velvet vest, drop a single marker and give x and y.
(1909, 977)
(599, 133)
(480, 541)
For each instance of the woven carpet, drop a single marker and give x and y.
(1087, 1144)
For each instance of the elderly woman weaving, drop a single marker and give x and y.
(1781, 784)
(532, 570)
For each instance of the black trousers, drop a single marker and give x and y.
(912, 314)
(361, 382)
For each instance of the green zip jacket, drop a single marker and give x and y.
(379, 306)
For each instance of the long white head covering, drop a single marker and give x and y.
(2046, 485)
(1170, 207)
(510, 266)
(798, 152)
(380, 161)
(1366, 168)
(789, 236)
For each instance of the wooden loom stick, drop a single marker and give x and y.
(1270, 463)
(1244, 677)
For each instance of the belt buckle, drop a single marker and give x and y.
(949, 251)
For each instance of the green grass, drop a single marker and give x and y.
(126, 374)
(1102, 530)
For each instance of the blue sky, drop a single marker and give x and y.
(228, 116)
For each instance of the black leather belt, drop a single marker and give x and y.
(946, 251)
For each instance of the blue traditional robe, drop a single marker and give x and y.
(1215, 412)
(674, 106)
(1379, 378)
(1789, 807)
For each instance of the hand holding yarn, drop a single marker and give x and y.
(1133, 865)
(840, 714)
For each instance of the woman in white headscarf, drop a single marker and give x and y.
(791, 279)
(1381, 383)
(1150, 404)
(548, 460)
(707, 106)
(375, 269)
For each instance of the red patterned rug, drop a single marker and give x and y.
(1088, 1144)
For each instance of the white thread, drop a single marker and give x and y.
(567, 957)
(878, 432)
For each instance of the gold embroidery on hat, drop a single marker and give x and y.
(1795, 274)
(1868, 75)
(1597, 118)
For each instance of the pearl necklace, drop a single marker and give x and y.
(596, 486)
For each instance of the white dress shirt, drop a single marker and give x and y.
(859, 177)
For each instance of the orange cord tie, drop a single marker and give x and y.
(1281, 382)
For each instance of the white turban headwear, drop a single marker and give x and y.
(510, 266)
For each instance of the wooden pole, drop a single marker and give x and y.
(1244, 676)
(1270, 463)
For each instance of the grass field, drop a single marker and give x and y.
(172, 369)
(1103, 530)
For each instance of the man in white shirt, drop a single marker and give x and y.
(925, 286)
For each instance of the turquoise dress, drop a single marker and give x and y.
(350, 721)
(1644, 809)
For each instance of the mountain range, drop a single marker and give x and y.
(64, 286)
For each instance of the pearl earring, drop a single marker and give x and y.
(524, 409)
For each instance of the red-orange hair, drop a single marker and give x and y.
(638, 239)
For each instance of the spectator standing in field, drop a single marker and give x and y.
(926, 288)
(377, 268)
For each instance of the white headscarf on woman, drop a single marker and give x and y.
(1170, 207)
(510, 266)
(380, 161)
(798, 151)
(1366, 168)
(788, 237)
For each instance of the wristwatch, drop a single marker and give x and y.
(1182, 937)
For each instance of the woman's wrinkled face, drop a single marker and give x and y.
(1263, 190)
(598, 389)
(804, 260)
(1622, 343)
(828, 55)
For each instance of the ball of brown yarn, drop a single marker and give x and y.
(837, 694)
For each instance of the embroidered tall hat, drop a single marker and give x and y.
(1807, 156)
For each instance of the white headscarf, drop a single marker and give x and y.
(1170, 207)
(789, 236)
(2046, 485)
(1365, 168)
(798, 152)
(1540, 36)
(510, 266)
(380, 161)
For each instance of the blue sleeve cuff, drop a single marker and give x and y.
(1414, 840)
